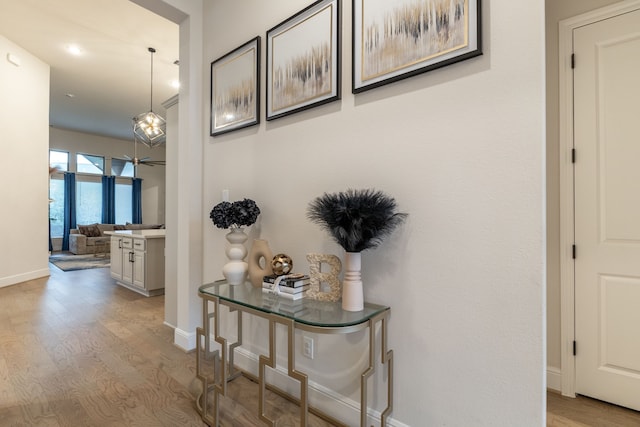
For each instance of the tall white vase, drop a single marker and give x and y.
(235, 271)
(352, 290)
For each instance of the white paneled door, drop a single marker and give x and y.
(607, 209)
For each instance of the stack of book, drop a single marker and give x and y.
(292, 287)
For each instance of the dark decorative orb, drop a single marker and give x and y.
(282, 264)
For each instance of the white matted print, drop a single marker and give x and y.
(303, 60)
(396, 39)
(235, 89)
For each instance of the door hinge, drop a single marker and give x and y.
(573, 155)
(573, 60)
(574, 348)
(573, 251)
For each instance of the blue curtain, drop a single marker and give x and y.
(50, 242)
(69, 207)
(108, 199)
(136, 202)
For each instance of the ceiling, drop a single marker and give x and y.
(103, 88)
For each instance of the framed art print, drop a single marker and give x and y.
(396, 39)
(235, 89)
(303, 60)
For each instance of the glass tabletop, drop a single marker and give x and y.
(304, 310)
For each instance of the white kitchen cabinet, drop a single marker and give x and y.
(137, 260)
(116, 257)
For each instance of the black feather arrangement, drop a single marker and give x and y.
(356, 219)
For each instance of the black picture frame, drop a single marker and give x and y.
(396, 39)
(235, 89)
(304, 60)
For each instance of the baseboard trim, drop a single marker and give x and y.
(554, 378)
(184, 340)
(24, 277)
(320, 397)
(169, 325)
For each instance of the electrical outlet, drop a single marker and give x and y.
(307, 347)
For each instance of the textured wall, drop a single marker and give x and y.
(24, 138)
(462, 151)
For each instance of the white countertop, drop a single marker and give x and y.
(139, 234)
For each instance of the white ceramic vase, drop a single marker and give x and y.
(352, 290)
(235, 271)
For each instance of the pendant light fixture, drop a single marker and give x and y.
(150, 128)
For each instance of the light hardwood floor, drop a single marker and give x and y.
(583, 411)
(78, 350)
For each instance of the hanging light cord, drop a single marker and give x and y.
(152, 50)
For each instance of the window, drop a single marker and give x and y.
(56, 207)
(59, 160)
(123, 202)
(88, 197)
(88, 201)
(121, 167)
(86, 163)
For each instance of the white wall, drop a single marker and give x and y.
(555, 12)
(171, 214)
(462, 151)
(153, 177)
(24, 200)
(185, 193)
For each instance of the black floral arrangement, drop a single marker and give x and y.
(233, 215)
(356, 219)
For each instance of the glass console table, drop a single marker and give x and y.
(215, 368)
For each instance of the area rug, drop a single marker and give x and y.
(79, 262)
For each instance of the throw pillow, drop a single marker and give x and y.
(90, 230)
(94, 231)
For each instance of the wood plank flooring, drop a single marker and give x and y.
(583, 411)
(78, 350)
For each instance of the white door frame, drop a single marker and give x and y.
(567, 264)
(188, 166)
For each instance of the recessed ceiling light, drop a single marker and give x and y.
(175, 84)
(69, 95)
(74, 49)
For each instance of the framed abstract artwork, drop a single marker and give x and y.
(396, 39)
(235, 89)
(303, 60)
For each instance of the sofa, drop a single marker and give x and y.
(90, 238)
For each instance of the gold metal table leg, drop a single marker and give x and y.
(387, 359)
(233, 372)
(209, 415)
(262, 362)
(222, 361)
(295, 374)
(291, 370)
